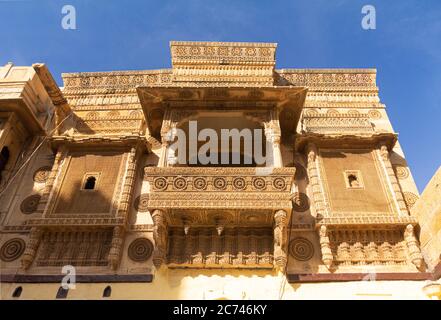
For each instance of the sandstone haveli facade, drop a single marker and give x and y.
(86, 181)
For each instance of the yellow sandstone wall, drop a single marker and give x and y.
(246, 285)
(428, 211)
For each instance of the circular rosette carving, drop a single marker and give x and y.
(30, 204)
(180, 183)
(259, 183)
(279, 183)
(141, 202)
(140, 249)
(12, 249)
(301, 249)
(160, 183)
(374, 114)
(41, 174)
(410, 198)
(300, 202)
(200, 183)
(220, 183)
(401, 172)
(239, 183)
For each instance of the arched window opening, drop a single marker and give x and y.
(107, 292)
(17, 292)
(90, 183)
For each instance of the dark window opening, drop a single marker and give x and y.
(62, 293)
(90, 183)
(4, 157)
(107, 292)
(17, 292)
(353, 180)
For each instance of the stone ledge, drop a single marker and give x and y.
(93, 278)
(334, 277)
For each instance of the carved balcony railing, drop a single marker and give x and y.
(220, 188)
(236, 217)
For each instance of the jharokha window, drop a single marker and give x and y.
(90, 181)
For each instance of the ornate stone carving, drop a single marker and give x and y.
(301, 249)
(41, 174)
(401, 172)
(160, 236)
(300, 202)
(325, 246)
(234, 248)
(140, 249)
(141, 202)
(31, 247)
(280, 239)
(394, 185)
(116, 247)
(367, 246)
(12, 249)
(30, 204)
(317, 190)
(413, 246)
(410, 198)
(81, 247)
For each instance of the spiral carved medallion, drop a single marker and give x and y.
(374, 114)
(140, 249)
(12, 249)
(200, 183)
(141, 202)
(41, 174)
(220, 183)
(301, 249)
(239, 183)
(401, 172)
(160, 183)
(259, 183)
(30, 204)
(410, 198)
(300, 202)
(180, 183)
(279, 183)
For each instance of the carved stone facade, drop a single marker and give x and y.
(102, 190)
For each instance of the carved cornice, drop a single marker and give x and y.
(89, 221)
(219, 188)
(344, 140)
(359, 221)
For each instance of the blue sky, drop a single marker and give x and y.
(123, 35)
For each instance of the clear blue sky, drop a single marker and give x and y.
(122, 35)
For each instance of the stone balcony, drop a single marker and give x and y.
(235, 189)
(237, 217)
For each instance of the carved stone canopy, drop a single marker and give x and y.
(288, 101)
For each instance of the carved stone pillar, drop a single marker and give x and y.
(327, 256)
(116, 246)
(273, 134)
(385, 157)
(413, 246)
(314, 180)
(160, 236)
(280, 239)
(128, 185)
(31, 247)
(59, 157)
